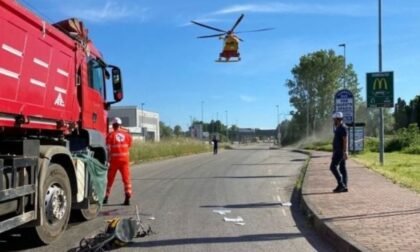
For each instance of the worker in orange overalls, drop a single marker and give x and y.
(119, 142)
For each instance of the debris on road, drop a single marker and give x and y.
(222, 211)
(235, 220)
(119, 232)
(287, 204)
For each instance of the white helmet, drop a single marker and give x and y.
(338, 115)
(116, 120)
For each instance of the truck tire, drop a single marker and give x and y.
(91, 212)
(54, 204)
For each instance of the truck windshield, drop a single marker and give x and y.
(96, 76)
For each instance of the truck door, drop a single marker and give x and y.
(94, 113)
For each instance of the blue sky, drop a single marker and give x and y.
(172, 72)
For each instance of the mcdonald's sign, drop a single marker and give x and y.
(380, 89)
(380, 84)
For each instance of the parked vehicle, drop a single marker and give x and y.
(52, 106)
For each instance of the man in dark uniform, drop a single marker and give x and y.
(338, 162)
(215, 142)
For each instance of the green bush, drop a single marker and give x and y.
(319, 146)
(394, 144)
(413, 149)
(409, 136)
(371, 144)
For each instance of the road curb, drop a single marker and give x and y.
(329, 232)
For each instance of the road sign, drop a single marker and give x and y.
(344, 102)
(358, 138)
(380, 90)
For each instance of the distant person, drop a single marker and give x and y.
(338, 162)
(119, 143)
(215, 143)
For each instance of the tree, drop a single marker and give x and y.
(165, 131)
(316, 79)
(400, 114)
(177, 130)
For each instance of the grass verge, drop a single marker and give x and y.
(148, 151)
(403, 169)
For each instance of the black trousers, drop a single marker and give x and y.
(338, 168)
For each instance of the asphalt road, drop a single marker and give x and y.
(184, 199)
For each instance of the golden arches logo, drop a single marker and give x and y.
(380, 84)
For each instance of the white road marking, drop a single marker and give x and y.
(279, 200)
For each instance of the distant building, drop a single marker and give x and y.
(248, 135)
(196, 131)
(143, 125)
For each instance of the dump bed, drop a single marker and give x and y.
(37, 71)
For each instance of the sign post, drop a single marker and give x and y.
(380, 94)
(344, 103)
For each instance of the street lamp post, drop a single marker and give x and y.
(142, 118)
(227, 127)
(344, 69)
(202, 111)
(381, 110)
(278, 125)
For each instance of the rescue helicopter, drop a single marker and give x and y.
(230, 52)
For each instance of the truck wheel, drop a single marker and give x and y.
(91, 212)
(54, 204)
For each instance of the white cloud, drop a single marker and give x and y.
(247, 98)
(108, 11)
(315, 9)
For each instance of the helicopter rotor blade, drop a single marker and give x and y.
(259, 30)
(237, 23)
(208, 27)
(212, 36)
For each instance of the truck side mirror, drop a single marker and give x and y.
(117, 84)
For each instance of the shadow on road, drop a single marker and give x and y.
(263, 164)
(302, 223)
(217, 177)
(17, 240)
(252, 177)
(248, 205)
(230, 239)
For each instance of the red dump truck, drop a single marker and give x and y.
(53, 104)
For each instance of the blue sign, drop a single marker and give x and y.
(344, 103)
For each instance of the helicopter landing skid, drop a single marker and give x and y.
(228, 61)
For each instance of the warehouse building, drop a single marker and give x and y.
(143, 125)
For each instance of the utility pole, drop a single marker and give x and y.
(381, 110)
(142, 118)
(227, 126)
(202, 111)
(344, 69)
(278, 125)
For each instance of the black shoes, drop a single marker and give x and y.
(340, 189)
(127, 200)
